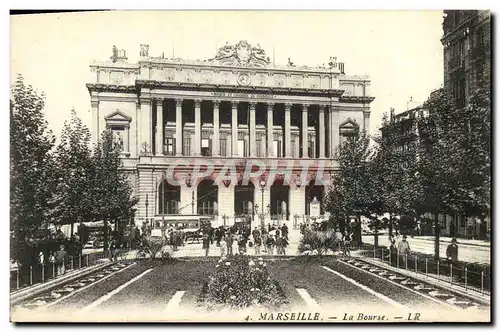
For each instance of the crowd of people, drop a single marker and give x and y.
(238, 238)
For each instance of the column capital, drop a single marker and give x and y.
(234, 104)
(216, 102)
(178, 102)
(288, 106)
(94, 103)
(197, 103)
(159, 101)
(305, 107)
(252, 104)
(322, 108)
(270, 105)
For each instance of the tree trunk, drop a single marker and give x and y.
(375, 243)
(105, 235)
(437, 233)
(72, 230)
(390, 225)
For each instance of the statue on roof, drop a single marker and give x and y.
(242, 54)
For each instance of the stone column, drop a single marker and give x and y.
(263, 146)
(366, 121)
(234, 130)
(335, 130)
(288, 138)
(305, 131)
(126, 140)
(137, 129)
(178, 127)
(95, 121)
(321, 131)
(146, 124)
(270, 130)
(253, 139)
(159, 127)
(197, 127)
(216, 139)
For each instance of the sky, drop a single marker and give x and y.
(400, 50)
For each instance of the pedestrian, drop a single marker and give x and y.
(222, 246)
(242, 244)
(206, 243)
(255, 233)
(257, 244)
(268, 227)
(346, 243)
(60, 260)
(393, 253)
(404, 250)
(270, 245)
(264, 237)
(277, 233)
(229, 243)
(452, 251)
(113, 250)
(284, 231)
(338, 238)
(283, 243)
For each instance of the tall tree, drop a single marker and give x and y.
(112, 191)
(73, 196)
(30, 168)
(352, 190)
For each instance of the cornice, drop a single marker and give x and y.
(335, 93)
(101, 87)
(356, 99)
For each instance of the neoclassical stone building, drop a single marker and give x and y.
(237, 107)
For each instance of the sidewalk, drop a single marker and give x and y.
(445, 239)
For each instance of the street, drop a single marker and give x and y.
(466, 253)
(152, 291)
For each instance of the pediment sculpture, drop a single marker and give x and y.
(242, 54)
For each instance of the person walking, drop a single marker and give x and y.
(284, 231)
(229, 243)
(222, 246)
(452, 251)
(393, 253)
(338, 239)
(264, 237)
(206, 243)
(257, 244)
(404, 250)
(242, 244)
(270, 245)
(346, 241)
(255, 233)
(60, 260)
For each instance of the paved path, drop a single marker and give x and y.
(466, 253)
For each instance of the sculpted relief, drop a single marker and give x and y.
(242, 54)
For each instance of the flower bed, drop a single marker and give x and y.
(240, 282)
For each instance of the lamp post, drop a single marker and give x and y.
(262, 215)
(146, 203)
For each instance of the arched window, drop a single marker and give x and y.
(168, 198)
(207, 197)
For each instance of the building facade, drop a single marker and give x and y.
(467, 52)
(172, 115)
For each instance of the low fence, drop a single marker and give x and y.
(21, 277)
(469, 276)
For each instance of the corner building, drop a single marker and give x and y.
(237, 106)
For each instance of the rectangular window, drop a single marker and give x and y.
(187, 146)
(241, 148)
(223, 147)
(206, 148)
(278, 149)
(310, 148)
(169, 147)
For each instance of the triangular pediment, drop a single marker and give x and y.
(349, 124)
(118, 116)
